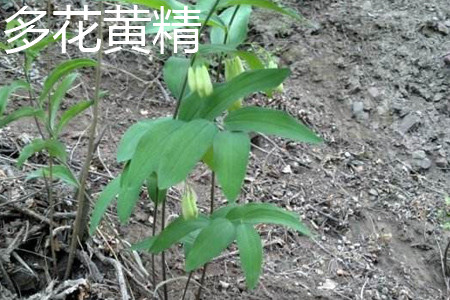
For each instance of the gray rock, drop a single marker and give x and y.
(374, 93)
(357, 107)
(420, 160)
(441, 162)
(408, 123)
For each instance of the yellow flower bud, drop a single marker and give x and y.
(189, 208)
(234, 67)
(192, 80)
(206, 84)
(273, 65)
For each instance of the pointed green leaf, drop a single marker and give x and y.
(250, 252)
(108, 194)
(55, 148)
(239, 87)
(59, 172)
(131, 138)
(144, 162)
(237, 33)
(252, 60)
(62, 70)
(266, 4)
(256, 213)
(156, 195)
(58, 96)
(183, 149)
(210, 242)
(6, 91)
(188, 241)
(177, 230)
(71, 113)
(269, 121)
(175, 71)
(216, 48)
(144, 245)
(231, 151)
(21, 113)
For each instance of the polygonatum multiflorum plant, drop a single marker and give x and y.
(45, 107)
(211, 124)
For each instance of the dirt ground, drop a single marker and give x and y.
(371, 77)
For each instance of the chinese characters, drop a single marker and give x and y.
(126, 27)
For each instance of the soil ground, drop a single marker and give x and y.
(368, 76)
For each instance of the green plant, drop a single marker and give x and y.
(45, 109)
(208, 126)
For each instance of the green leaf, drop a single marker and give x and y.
(175, 71)
(250, 252)
(251, 59)
(256, 213)
(223, 211)
(188, 241)
(144, 162)
(239, 87)
(108, 194)
(144, 245)
(266, 4)
(33, 52)
(58, 95)
(183, 149)
(210, 242)
(237, 33)
(71, 113)
(177, 230)
(190, 106)
(216, 48)
(21, 113)
(231, 151)
(6, 91)
(55, 148)
(156, 195)
(62, 70)
(271, 122)
(59, 172)
(131, 138)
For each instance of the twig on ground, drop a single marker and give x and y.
(119, 272)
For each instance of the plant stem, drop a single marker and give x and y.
(155, 214)
(220, 66)
(163, 254)
(211, 210)
(187, 285)
(83, 205)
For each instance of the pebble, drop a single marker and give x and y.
(408, 123)
(441, 162)
(420, 160)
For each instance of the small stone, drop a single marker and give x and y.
(419, 154)
(441, 162)
(357, 107)
(287, 169)
(373, 192)
(443, 29)
(374, 93)
(328, 285)
(408, 123)
(438, 97)
(420, 160)
(224, 284)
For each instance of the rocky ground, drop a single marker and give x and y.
(373, 79)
